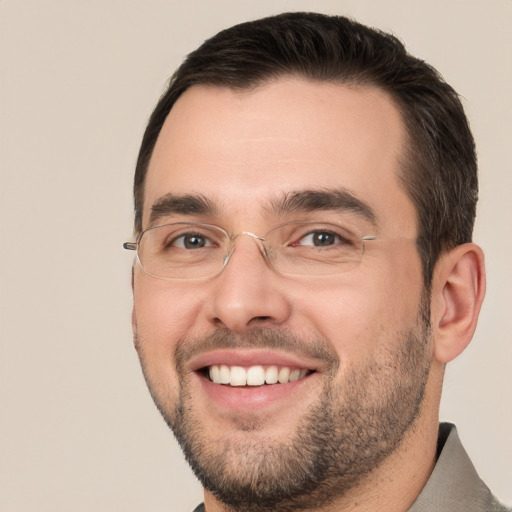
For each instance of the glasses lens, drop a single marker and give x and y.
(182, 251)
(315, 249)
(187, 251)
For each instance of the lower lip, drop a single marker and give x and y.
(250, 398)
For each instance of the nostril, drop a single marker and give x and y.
(259, 320)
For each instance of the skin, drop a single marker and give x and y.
(241, 150)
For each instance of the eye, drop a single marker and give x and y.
(321, 239)
(191, 241)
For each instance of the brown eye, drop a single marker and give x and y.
(191, 241)
(321, 239)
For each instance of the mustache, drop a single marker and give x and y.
(266, 338)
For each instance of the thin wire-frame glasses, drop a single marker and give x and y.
(192, 251)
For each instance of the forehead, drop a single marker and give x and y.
(241, 149)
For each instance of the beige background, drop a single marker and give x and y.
(78, 431)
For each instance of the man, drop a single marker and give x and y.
(304, 201)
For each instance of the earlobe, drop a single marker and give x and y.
(457, 294)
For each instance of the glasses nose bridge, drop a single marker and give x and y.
(249, 234)
(260, 241)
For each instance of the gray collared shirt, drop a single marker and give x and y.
(454, 485)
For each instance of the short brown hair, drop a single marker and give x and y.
(439, 170)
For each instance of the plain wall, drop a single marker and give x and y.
(78, 430)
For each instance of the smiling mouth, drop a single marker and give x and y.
(257, 375)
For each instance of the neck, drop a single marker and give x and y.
(397, 482)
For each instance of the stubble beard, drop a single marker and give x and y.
(350, 430)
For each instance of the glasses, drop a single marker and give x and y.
(192, 251)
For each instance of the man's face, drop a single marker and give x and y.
(360, 337)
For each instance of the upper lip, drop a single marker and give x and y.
(251, 357)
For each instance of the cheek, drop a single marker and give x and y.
(398, 284)
(357, 313)
(347, 317)
(163, 315)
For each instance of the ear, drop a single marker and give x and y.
(134, 320)
(134, 315)
(136, 342)
(457, 294)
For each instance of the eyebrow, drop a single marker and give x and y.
(306, 201)
(189, 204)
(303, 201)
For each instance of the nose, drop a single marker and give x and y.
(248, 293)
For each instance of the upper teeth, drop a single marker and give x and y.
(254, 375)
